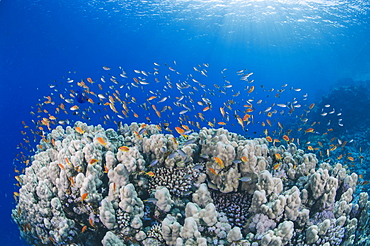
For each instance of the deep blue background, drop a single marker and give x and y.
(310, 46)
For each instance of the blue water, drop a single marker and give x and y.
(310, 45)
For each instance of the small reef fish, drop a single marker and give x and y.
(219, 161)
(92, 161)
(79, 130)
(124, 148)
(309, 130)
(74, 108)
(179, 130)
(61, 166)
(172, 155)
(84, 228)
(350, 158)
(102, 141)
(276, 166)
(84, 196)
(213, 171)
(190, 141)
(181, 152)
(150, 174)
(278, 156)
(245, 179)
(151, 200)
(153, 163)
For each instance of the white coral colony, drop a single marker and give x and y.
(89, 190)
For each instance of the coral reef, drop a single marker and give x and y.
(138, 186)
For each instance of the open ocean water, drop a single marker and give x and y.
(313, 45)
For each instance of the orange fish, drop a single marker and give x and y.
(83, 229)
(92, 161)
(331, 140)
(219, 162)
(309, 130)
(18, 179)
(244, 159)
(240, 121)
(213, 171)
(61, 106)
(269, 139)
(286, 138)
(205, 109)
(309, 147)
(179, 130)
(351, 158)
(246, 117)
(311, 106)
(269, 122)
(102, 141)
(150, 174)
(185, 127)
(74, 108)
(61, 166)
(124, 148)
(79, 130)
(251, 89)
(84, 196)
(277, 165)
(91, 222)
(339, 157)
(52, 240)
(278, 156)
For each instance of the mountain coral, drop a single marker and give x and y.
(138, 186)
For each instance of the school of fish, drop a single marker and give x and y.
(181, 103)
